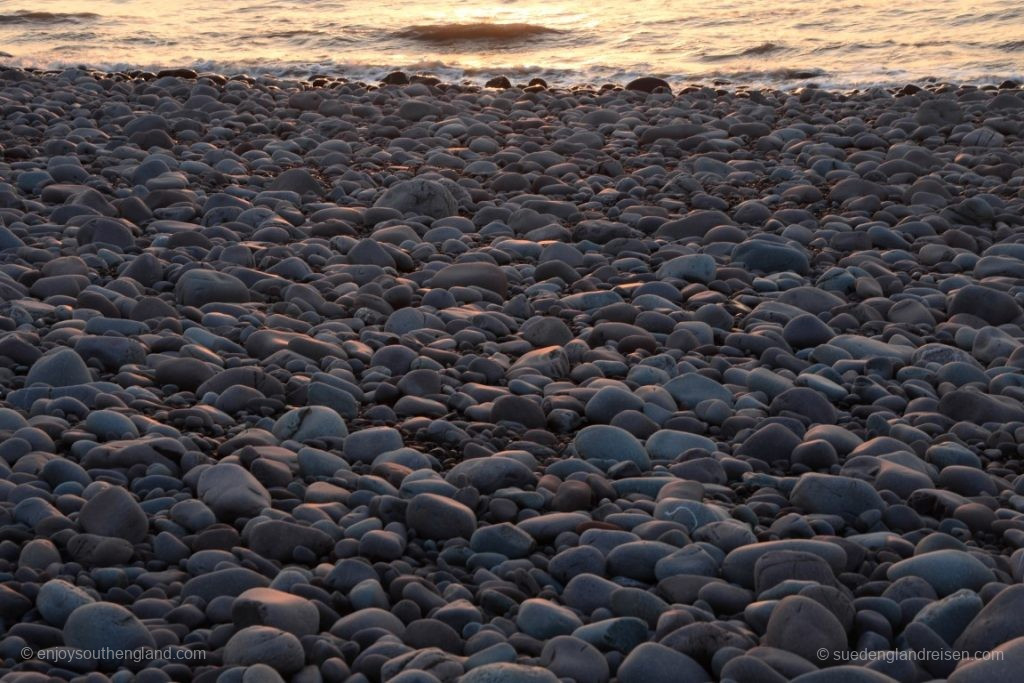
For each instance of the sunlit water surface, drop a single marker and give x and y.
(839, 43)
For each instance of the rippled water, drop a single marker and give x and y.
(841, 43)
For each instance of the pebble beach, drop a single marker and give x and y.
(416, 381)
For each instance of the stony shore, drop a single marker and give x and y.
(419, 382)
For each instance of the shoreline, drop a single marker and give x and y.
(799, 79)
(464, 385)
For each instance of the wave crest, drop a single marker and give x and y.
(444, 33)
(45, 17)
(755, 51)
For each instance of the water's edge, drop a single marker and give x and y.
(518, 78)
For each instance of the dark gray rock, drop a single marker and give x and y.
(98, 625)
(61, 367)
(114, 512)
(832, 495)
(231, 491)
(436, 517)
(802, 626)
(198, 287)
(419, 196)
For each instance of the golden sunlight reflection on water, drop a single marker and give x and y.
(849, 42)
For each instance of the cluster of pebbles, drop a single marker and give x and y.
(419, 382)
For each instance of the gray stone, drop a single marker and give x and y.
(503, 538)
(668, 444)
(805, 402)
(946, 570)
(543, 331)
(61, 367)
(439, 518)
(621, 634)
(1002, 619)
(100, 625)
(691, 389)
(231, 491)
(941, 111)
(310, 423)
(770, 257)
(114, 512)
(607, 443)
(484, 275)
(949, 616)
(692, 267)
(265, 645)
(549, 361)
(198, 287)
(832, 495)
(419, 196)
(569, 657)
(1004, 663)
(740, 562)
(57, 599)
(544, 619)
(655, 663)
(489, 474)
(507, 672)
(991, 305)
(230, 581)
(804, 627)
(969, 405)
(366, 444)
(269, 607)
